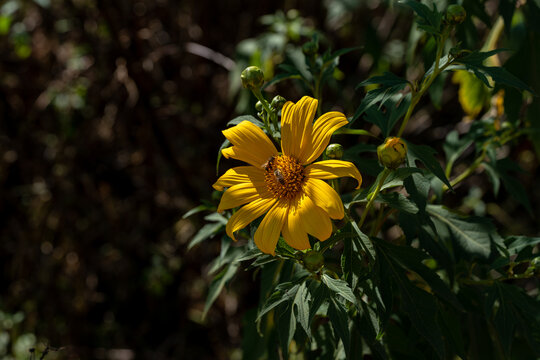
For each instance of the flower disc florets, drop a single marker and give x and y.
(284, 176)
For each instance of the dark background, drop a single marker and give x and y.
(110, 119)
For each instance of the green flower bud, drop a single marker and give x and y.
(259, 106)
(310, 48)
(392, 152)
(252, 78)
(313, 261)
(334, 151)
(277, 102)
(455, 14)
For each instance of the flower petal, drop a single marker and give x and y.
(323, 128)
(250, 144)
(324, 197)
(293, 231)
(315, 220)
(239, 175)
(297, 127)
(241, 194)
(331, 169)
(247, 214)
(267, 235)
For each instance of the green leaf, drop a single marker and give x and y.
(351, 261)
(504, 322)
(417, 304)
(501, 169)
(398, 201)
(364, 242)
(339, 287)
(474, 63)
(301, 302)
(454, 146)
(475, 235)
(394, 108)
(250, 254)
(251, 119)
(397, 176)
(194, 211)
(319, 294)
(204, 233)
(219, 155)
(428, 19)
(284, 292)
(390, 86)
(411, 259)
(217, 285)
(340, 321)
(425, 154)
(517, 243)
(286, 324)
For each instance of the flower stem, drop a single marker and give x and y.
(271, 114)
(385, 174)
(426, 83)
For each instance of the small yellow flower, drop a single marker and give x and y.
(285, 186)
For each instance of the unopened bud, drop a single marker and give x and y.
(313, 261)
(259, 106)
(277, 102)
(392, 152)
(455, 14)
(252, 78)
(334, 151)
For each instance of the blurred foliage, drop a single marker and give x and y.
(108, 118)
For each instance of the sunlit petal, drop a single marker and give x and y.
(250, 144)
(324, 197)
(331, 169)
(323, 128)
(267, 235)
(297, 127)
(247, 214)
(241, 194)
(239, 175)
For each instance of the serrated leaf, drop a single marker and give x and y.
(364, 242)
(340, 321)
(319, 294)
(428, 19)
(517, 243)
(394, 108)
(474, 63)
(398, 201)
(286, 324)
(417, 304)
(339, 287)
(475, 235)
(217, 285)
(397, 176)
(301, 301)
(411, 259)
(425, 154)
(250, 254)
(390, 86)
(283, 293)
(204, 233)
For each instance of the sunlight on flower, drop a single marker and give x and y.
(285, 186)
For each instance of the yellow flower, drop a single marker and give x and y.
(285, 186)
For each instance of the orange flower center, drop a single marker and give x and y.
(284, 176)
